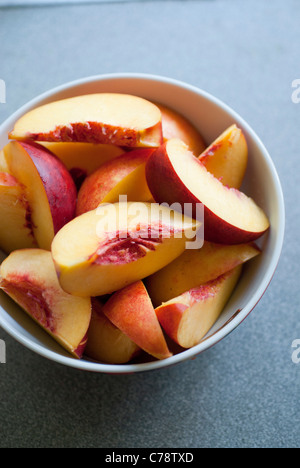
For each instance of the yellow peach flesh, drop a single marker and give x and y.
(106, 342)
(86, 156)
(227, 157)
(106, 249)
(29, 278)
(23, 168)
(189, 317)
(196, 267)
(227, 203)
(119, 119)
(124, 175)
(16, 228)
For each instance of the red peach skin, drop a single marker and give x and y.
(186, 319)
(49, 188)
(175, 175)
(131, 310)
(29, 278)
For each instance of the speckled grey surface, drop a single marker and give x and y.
(244, 392)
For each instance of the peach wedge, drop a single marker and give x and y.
(176, 125)
(107, 343)
(82, 159)
(16, 226)
(3, 164)
(175, 175)
(29, 278)
(227, 157)
(107, 118)
(196, 267)
(49, 188)
(124, 175)
(84, 156)
(131, 310)
(109, 248)
(187, 318)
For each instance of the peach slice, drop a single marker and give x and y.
(29, 278)
(176, 125)
(174, 174)
(3, 164)
(131, 310)
(187, 318)
(106, 249)
(196, 267)
(49, 188)
(16, 226)
(227, 157)
(106, 342)
(124, 175)
(82, 159)
(108, 118)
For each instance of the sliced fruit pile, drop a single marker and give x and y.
(93, 191)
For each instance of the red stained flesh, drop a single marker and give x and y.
(207, 290)
(32, 298)
(129, 246)
(89, 132)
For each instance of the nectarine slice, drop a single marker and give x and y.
(107, 343)
(174, 174)
(227, 157)
(176, 125)
(196, 267)
(16, 227)
(131, 310)
(29, 278)
(108, 118)
(186, 319)
(106, 249)
(124, 175)
(49, 188)
(3, 164)
(82, 159)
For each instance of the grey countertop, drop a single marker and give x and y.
(244, 392)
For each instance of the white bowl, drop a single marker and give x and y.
(212, 117)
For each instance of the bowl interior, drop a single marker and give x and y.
(211, 117)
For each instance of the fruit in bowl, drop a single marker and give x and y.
(97, 186)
